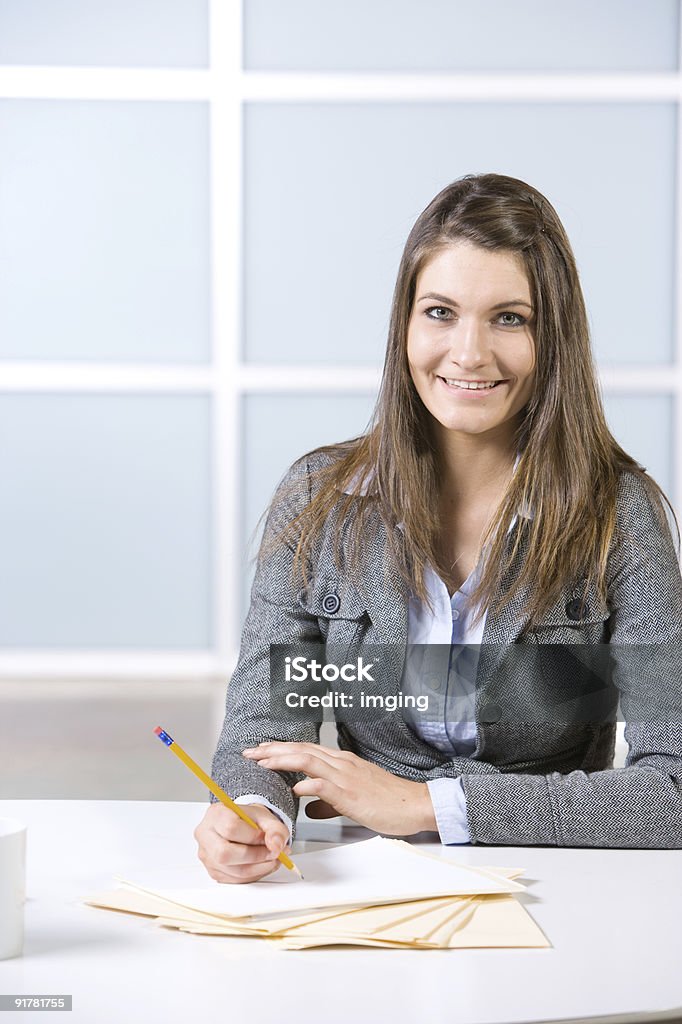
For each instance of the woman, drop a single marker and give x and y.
(487, 510)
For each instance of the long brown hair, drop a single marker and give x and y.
(570, 462)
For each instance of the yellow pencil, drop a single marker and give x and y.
(217, 791)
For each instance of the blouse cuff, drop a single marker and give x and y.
(449, 805)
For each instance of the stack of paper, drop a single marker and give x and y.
(381, 892)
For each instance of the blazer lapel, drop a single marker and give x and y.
(504, 628)
(386, 599)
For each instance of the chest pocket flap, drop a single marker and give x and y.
(327, 599)
(572, 610)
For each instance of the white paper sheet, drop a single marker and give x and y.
(375, 871)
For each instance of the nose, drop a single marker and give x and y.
(469, 343)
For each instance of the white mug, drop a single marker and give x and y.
(12, 886)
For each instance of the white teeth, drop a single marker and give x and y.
(470, 385)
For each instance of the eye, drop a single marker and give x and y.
(437, 309)
(518, 322)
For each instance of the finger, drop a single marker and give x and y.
(278, 747)
(232, 858)
(332, 795)
(269, 823)
(275, 833)
(229, 826)
(235, 830)
(224, 822)
(321, 809)
(276, 842)
(309, 764)
(226, 855)
(241, 875)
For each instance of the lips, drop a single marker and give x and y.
(461, 387)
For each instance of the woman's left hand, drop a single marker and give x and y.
(347, 784)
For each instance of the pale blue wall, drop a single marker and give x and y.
(103, 33)
(104, 231)
(456, 35)
(105, 525)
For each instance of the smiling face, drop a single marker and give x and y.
(472, 322)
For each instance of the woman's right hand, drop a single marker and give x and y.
(232, 851)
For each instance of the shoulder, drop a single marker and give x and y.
(635, 494)
(302, 476)
(641, 514)
(302, 481)
(644, 579)
(643, 539)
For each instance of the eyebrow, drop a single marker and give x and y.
(451, 302)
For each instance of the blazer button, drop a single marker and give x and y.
(491, 713)
(331, 603)
(575, 609)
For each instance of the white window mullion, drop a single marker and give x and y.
(420, 87)
(102, 377)
(108, 664)
(173, 85)
(676, 497)
(225, 49)
(89, 83)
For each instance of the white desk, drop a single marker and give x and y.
(615, 948)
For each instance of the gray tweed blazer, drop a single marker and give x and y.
(537, 776)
